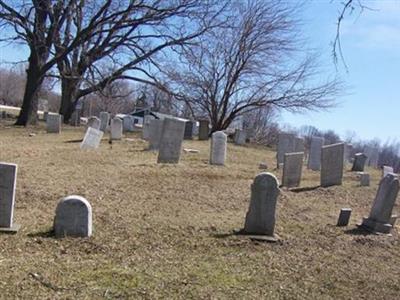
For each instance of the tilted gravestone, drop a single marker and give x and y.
(240, 137)
(364, 179)
(292, 167)
(146, 127)
(260, 218)
(94, 122)
(171, 141)
(104, 120)
(203, 130)
(344, 217)
(381, 211)
(314, 157)
(92, 139)
(218, 148)
(116, 129)
(286, 144)
(332, 165)
(53, 123)
(386, 170)
(73, 217)
(8, 181)
(359, 162)
(155, 130)
(188, 130)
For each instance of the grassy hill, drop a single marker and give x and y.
(164, 231)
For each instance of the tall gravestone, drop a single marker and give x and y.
(203, 130)
(92, 139)
(381, 211)
(116, 128)
(94, 122)
(359, 162)
(104, 120)
(240, 137)
(348, 153)
(314, 157)
(372, 156)
(260, 218)
(286, 144)
(218, 148)
(53, 123)
(332, 165)
(73, 217)
(155, 130)
(292, 167)
(127, 123)
(8, 182)
(189, 130)
(171, 141)
(75, 119)
(146, 127)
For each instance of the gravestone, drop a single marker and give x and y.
(73, 217)
(240, 137)
(188, 130)
(344, 217)
(332, 165)
(218, 148)
(364, 179)
(372, 156)
(292, 167)
(260, 218)
(104, 120)
(359, 162)
(45, 115)
(92, 139)
(94, 122)
(146, 124)
(53, 123)
(8, 182)
(381, 211)
(386, 170)
(75, 119)
(203, 130)
(171, 141)
(298, 144)
(286, 144)
(128, 124)
(348, 152)
(116, 128)
(314, 157)
(155, 130)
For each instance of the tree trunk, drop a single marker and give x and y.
(69, 91)
(34, 80)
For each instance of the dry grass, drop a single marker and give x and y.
(162, 231)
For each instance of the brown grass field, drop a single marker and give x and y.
(164, 231)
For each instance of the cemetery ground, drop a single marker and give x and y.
(164, 231)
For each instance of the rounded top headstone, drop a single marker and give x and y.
(219, 135)
(266, 179)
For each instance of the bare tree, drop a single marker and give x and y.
(250, 64)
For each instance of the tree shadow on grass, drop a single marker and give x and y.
(73, 141)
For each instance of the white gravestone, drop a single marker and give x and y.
(116, 129)
(386, 170)
(292, 167)
(53, 123)
(314, 157)
(332, 165)
(8, 181)
(218, 148)
(171, 141)
(146, 127)
(381, 211)
(73, 218)
(92, 139)
(155, 130)
(240, 137)
(128, 124)
(94, 122)
(104, 120)
(286, 144)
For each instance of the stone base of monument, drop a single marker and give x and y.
(12, 229)
(257, 237)
(375, 227)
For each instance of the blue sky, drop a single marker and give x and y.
(371, 46)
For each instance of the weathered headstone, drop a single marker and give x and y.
(359, 162)
(260, 218)
(94, 122)
(298, 144)
(344, 217)
(75, 119)
(364, 179)
(189, 130)
(386, 170)
(203, 130)
(286, 144)
(332, 165)
(372, 156)
(240, 137)
(381, 211)
(155, 130)
(92, 139)
(314, 157)
(8, 181)
(348, 153)
(218, 148)
(116, 128)
(73, 217)
(128, 125)
(53, 123)
(292, 167)
(104, 120)
(146, 127)
(171, 141)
